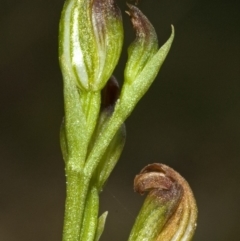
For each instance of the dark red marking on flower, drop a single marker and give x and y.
(110, 93)
(102, 10)
(141, 24)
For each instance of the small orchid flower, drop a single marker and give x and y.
(91, 38)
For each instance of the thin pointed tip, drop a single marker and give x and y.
(173, 29)
(128, 13)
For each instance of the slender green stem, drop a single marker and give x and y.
(73, 211)
(77, 190)
(90, 220)
(78, 127)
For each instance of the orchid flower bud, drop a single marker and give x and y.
(144, 60)
(91, 37)
(143, 47)
(169, 212)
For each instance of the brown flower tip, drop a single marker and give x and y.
(102, 11)
(166, 185)
(142, 26)
(156, 178)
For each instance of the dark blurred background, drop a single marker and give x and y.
(189, 119)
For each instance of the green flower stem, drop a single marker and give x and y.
(90, 220)
(76, 202)
(78, 179)
(78, 126)
(74, 206)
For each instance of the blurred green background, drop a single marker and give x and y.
(188, 120)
